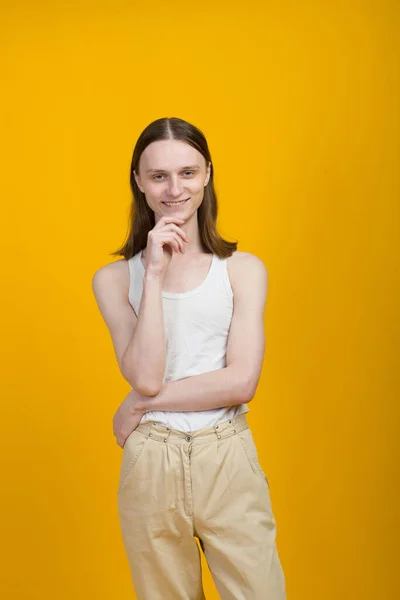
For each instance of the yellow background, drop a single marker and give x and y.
(299, 102)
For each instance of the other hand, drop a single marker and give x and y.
(127, 417)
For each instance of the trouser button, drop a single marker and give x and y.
(189, 438)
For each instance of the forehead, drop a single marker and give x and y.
(168, 155)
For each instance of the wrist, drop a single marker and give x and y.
(145, 404)
(135, 402)
(138, 407)
(141, 404)
(152, 279)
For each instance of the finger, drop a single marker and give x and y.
(121, 437)
(180, 242)
(178, 230)
(172, 241)
(176, 246)
(164, 220)
(164, 235)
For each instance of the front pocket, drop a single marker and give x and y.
(132, 450)
(249, 446)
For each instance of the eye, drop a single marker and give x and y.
(189, 172)
(157, 175)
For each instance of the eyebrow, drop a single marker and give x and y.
(187, 168)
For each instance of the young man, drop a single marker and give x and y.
(185, 312)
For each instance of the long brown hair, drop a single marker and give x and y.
(141, 217)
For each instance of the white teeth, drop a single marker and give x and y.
(175, 203)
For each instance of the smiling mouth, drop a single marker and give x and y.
(180, 203)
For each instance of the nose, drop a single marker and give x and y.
(175, 187)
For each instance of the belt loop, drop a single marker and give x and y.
(216, 429)
(157, 434)
(225, 429)
(167, 434)
(152, 424)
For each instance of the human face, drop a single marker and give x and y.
(172, 175)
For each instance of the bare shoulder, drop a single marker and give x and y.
(111, 274)
(246, 269)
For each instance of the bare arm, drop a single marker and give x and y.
(139, 341)
(145, 355)
(237, 382)
(135, 339)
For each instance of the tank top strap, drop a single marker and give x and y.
(135, 283)
(219, 275)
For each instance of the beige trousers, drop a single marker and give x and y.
(176, 486)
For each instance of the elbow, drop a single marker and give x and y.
(147, 388)
(247, 390)
(142, 385)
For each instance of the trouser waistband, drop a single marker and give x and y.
(162, 433)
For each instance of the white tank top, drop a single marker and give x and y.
(197, 325)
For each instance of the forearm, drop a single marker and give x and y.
(144, 359)
(214, 389)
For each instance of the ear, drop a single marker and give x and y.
(137, 179)
(208, 174)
